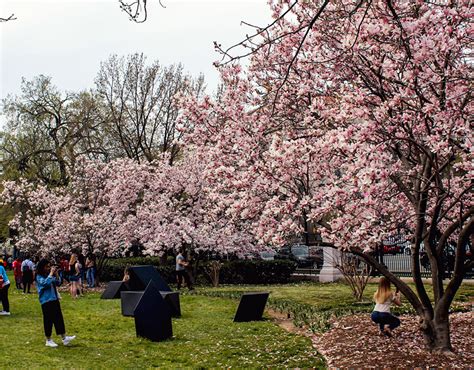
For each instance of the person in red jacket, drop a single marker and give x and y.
(17, 272)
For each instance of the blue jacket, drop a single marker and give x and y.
(46, 287)
(4, 275)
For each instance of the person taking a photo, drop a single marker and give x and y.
(47, 279)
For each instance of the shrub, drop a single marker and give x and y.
(232, 272)
(114, 268)
(256, 272)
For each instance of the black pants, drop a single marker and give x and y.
(183, 274)
(52, 315)
(4, 298)
(27, 280)
(385, 318)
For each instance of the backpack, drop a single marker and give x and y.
(1, 281)
(25, 268)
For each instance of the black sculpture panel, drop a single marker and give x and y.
(140, 276)
(129, 301)
(113, 290)
(153, 315)
(172, 299)
(251, 306)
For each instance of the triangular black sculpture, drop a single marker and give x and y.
(113, 290)
(251, 306)
(153, 316)
(140, 276)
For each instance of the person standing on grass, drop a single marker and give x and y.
(47, 279)
(181, 272)
(82, 275)
(75, 275)
(27, 270)
(381, 315)
(17, 273)
(90, 271)
(4, 286)
(64, 268)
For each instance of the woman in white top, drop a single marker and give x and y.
(381, 315)
(75, 275)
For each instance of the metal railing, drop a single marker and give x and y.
(399, 264)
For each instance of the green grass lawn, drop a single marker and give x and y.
(205, 336)
(313, 305)
(327, 296)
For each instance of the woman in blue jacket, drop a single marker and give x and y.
(4, 286)
(47, 279)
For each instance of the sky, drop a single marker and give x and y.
(67, 39)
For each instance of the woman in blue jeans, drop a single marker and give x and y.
(90, 271)
(384, 297)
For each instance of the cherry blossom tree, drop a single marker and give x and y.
(108, 207)
(355, 115)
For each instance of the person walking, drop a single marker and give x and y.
(17, 273)
(27, 271)
(181, 273)
(4, 286)
(381, 315)
(47, 279)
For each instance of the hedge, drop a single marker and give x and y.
(257, 272)
(232, 272)
(114, 268)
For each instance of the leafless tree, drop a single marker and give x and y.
(356, 273)
(141, 106)
(213, 270)
(46, 131)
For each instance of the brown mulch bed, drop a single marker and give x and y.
(355, 342)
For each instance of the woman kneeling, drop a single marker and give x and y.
(47, 279)
(381, 315)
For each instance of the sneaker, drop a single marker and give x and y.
(4, 313)
(50, 343)
(67, 340)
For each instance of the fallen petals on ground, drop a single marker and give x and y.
(354, 341)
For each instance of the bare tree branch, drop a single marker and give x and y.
(137, 10)
(10, 18)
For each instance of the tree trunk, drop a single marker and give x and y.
(436, 333)
(100, 264)
(164, 258)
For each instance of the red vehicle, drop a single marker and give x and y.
(391, 249)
